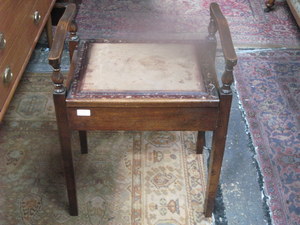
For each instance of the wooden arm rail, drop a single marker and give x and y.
(224, 32)
(65, 24)
(219, 23)
(60, 35)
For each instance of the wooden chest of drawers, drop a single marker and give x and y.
(22, 22)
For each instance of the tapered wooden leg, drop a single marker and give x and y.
(216, 155)
(83, 141)
(66, 151)
(200, 142)
(49, 32)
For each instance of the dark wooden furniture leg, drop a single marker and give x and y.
(83, 142)
(219, 140)
(49, 32)
(218, 21)
(59, 97)
(65, 141)
(269, 4)
(216, 155)
(200, 142)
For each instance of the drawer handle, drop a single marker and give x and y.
(36, 17)
(7, 75)
(2, 41)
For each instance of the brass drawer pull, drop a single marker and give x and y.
(7, 75)
(2, 41)
(36, 17)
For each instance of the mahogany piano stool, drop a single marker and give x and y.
(145, 86)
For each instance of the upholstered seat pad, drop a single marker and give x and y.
(142, 67)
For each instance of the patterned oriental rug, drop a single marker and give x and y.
(187, 19)
(268, 83)
(128, 178)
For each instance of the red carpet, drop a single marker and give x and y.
(169, 19)
(268, 84)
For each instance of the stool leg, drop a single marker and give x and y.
(83, 141)
(66, 151)
(214, 170)
(49, 32)
(200, 142)
(216, 155)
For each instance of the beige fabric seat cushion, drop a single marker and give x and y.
(142, 67)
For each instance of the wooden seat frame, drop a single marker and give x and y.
(203, 115)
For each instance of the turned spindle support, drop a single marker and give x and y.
(211, 38)
(212, 30)
(73, 39)
(58, 81)
(227, 78)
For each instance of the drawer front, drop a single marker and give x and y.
(150, 118)
(18, 55)
(11, 13)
